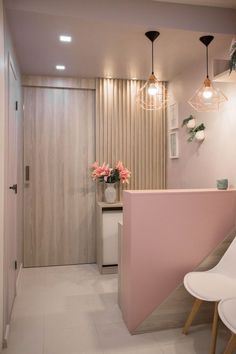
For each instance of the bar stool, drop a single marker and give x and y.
(227, 313)
(213, 285)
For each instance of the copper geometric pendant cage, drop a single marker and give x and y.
(152, 95)
(207, 98)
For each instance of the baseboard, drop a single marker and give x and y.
(18, 278)
(7, 331)
(6, 335)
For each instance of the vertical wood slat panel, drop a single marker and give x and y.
(126, 132)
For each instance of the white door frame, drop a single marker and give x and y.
(2, 163)
(8, 197)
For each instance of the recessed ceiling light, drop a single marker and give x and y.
(60, 67)
(64, 38)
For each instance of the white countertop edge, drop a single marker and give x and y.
(177, 191)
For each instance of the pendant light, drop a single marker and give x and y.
(150, 96)
(207, 98)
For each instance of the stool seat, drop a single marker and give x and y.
(227, 313)
(213, 285)
(210, 285)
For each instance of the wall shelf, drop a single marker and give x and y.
(221, 72)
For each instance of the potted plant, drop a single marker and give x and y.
(189, 122)
(197, 133)
(110, 176)
(232, 60)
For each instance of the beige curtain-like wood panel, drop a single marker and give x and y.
(126, 132)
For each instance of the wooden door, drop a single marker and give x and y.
(11, 197)
(59, 198)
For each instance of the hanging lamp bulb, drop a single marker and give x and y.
(207, 98)
(151, 95)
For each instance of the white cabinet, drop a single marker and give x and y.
(108, 217)
(110, 220)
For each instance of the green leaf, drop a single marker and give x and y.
(186, 120)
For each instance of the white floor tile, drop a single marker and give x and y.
(26, 336)
(115, 338)
(74, 310)
(77, 340)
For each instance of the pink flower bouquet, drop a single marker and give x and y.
(110, 175)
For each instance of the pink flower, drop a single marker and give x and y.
(95, 165)
(123, 172)
(125, 175)
(119, 166)
(104, 171)
(100, 171)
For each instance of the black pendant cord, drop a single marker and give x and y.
(206, 40)
(207, 62)
(152, 60)
(152, 36)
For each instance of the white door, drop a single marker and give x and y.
(11, 198)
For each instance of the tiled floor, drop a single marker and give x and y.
(73, 310)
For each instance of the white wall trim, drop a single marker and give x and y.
(2, 164)
(6, 336)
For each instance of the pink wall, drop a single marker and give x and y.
(165, 235)
(200, 165)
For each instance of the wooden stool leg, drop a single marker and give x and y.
(231, 345)
(214, 329)
(196, 305)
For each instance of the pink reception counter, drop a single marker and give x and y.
(165, 235)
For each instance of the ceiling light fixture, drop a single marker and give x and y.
(151, 96)
(64, 38)
(207, 98)
(60, 67)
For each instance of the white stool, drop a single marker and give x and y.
(227, 313)
(213, 285)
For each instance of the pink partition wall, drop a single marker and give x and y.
(165, 235)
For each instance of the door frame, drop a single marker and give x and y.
(10, 67)
(54, 85)
(2, 165)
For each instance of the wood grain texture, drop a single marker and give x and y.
(173, 312)
(58, 82)
(126, 132)
(60, 197)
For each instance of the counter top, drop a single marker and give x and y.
(175, 191)
(104, 205)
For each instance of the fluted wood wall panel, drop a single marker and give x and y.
(58, 82)
(126, 132)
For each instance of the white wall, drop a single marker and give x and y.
(2, 156)
(200, 165)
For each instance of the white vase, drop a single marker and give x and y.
(191, 123)
(110, 193)
(200, 135)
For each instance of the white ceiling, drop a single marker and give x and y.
(215, 3)
(100, 47)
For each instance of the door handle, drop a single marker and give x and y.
(27, 173)
(14, 188)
